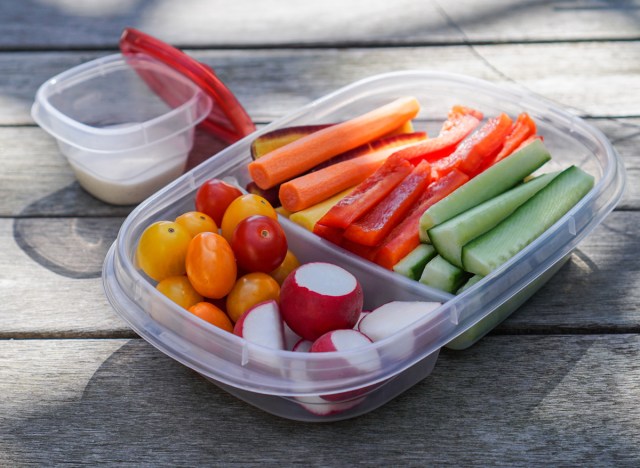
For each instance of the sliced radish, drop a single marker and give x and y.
(345, 340)
(262, 324)
(363, 314)
(320, 297)
(392, 317)
(302, 346)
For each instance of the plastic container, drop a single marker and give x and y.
(295, 385)
(126, 122)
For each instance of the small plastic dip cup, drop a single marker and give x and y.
(126, 122)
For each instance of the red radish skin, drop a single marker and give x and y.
(320, 297)
(262, 324)
(302, 346)
(345, 340)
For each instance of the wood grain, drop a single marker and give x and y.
(63, 24)
(509, 401)
(271, 83)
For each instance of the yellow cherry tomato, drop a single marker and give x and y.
(196, 222)
(162, 250)
(180, 291)
(250, 290)
(212, 314)
(243, 207)
(289, 264)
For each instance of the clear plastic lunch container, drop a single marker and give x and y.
(340, 385)
(126, 122)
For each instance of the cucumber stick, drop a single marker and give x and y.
(413, 263)
(470, 282)
(490, 250)
(440, 274)
(449, 237)
(492, 182)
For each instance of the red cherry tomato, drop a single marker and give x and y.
(214, 196)
(259, 244)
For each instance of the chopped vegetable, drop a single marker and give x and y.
(405, 236)
(368, 193)
(298, 157)
(377, 223)
(308, 217)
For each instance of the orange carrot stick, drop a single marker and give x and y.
(301, 155)
(314, 187)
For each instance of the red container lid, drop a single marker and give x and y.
(227, 120)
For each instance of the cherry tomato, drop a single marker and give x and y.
(196, 222)
(249, 290)
(289, 264)
(162, 250)
(179, 290)
(259, 243)
(243, 207)
(212, 314)
(211, 265)
(214, 196)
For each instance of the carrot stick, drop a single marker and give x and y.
(309, 189)
(301, 155)
(405, 236)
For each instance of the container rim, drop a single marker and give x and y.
(100, 66)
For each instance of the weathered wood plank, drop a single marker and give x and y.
(510, 401)
(47, 291)
(37, 181)
(271, 83)
(61, 24)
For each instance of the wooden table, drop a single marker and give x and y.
(557, 383)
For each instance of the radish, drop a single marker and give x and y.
(393, 317)
(302, 346)
(320, 297)
(363, 314)
(262, 324)
(344, 340)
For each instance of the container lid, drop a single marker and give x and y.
(227, 120)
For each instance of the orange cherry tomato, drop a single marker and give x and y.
(249, 290)
(162, 250)
(289, 264)
(243, 207)
(211, 266)
(212, 314)
(179, 290)
(196, 222)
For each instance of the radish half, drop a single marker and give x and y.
(345, 340)
(262, 324)
(320, 297)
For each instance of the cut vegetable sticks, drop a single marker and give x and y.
(523, 128)
(369, 192)
(470, 154)
(301, 155)
(377, 223)
(314, 187)
(405, 236)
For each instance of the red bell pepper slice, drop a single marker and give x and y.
(485, 142)
(377, 223)
(330, 233)
(460, 123)
(523, 128)
(405, 236)
(368, 193)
